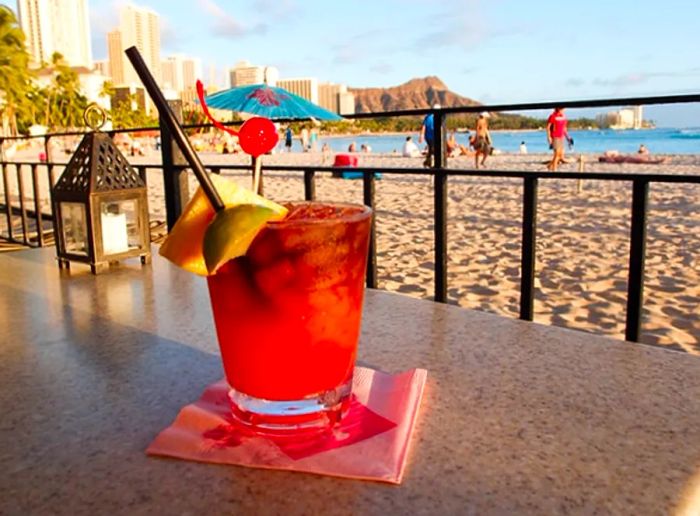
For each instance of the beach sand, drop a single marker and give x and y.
(582, 238)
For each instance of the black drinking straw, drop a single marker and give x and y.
(167, 116)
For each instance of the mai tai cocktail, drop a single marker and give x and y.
(288, 313)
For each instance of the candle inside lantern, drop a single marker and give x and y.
(115, 237)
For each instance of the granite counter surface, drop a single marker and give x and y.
(517, 418)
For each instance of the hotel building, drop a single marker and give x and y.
(306, 87)
(336, 98)
(56, 26)
(180, 74)
(138, 27)
(244, 74)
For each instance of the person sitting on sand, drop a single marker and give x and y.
(352, 147)
(643, 149)
(455, 149)
(410, 149)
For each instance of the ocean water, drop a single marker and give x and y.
(658, 141)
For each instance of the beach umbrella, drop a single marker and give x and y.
(269, 102)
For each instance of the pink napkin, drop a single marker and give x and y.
(370, 443)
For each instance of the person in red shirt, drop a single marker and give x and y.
(556, 134)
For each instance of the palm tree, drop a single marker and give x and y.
(15, 78)
(64, 102)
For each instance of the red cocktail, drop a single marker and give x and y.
(288, 316)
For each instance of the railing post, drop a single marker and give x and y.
(368, 197)
(37, 206)
(22, 208)
(6, 190)
(440, 208)
(309, 185)
(635, 282)
(174, 175)
(527, 258)
(47, 150)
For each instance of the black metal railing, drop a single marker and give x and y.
(173, 174)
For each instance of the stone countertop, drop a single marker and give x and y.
(517, 418)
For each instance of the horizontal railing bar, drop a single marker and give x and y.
(31, 213)
(515, 174)
(530, 106)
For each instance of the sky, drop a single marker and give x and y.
(493, 51)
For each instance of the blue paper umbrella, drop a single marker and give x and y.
(268, 101)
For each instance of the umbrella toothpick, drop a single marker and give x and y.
(257, 170)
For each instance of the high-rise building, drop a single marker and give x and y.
(169, 74)
(191, 71)
(180, 72)
(213, 83)
(624, 118)
(115, 56)
(346, 103)
(336, 98)
(140, 27)
(306, 87)
(244, 74)
(61, 26)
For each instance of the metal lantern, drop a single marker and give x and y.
(100, 205)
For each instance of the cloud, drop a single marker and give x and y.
(382, 68)
(637, 78)
(226, 26)
(575, 82)
(345, 53)
(460, 25)
(277, 9)
(170, 37)
(357, 47)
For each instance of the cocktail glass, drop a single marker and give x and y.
(288, 314)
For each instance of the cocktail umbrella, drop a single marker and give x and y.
(262, 100)
(270, 102)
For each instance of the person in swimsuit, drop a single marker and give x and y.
(482, 139)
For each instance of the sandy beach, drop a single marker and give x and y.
(582, 238)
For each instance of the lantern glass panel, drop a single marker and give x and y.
(74, 226)
(120, 226)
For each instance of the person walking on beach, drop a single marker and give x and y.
(482, 139)
(304, 137)
(288, 139)
(556, 133)
(427, 135)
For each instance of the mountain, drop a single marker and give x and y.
(415, 94)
